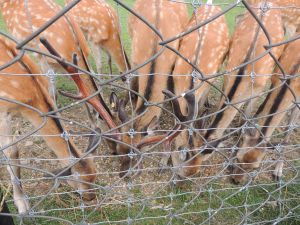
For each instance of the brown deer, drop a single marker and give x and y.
(206, 49)
(290, 12)
(23, 17)
(151, 78)
(99, 22)
(247, 42)
(284, 91)
(27, 96)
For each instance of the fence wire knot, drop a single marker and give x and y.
(196, 75)
(278, 147)
(234, 148)
(82, 205)
(196, 3)
(265, 7)
(129, 185)
(76, 175)
(65, 135)
(252, 76)
(129, 221)
(183, 153)
(191, 131)
(292, 127)
(132, 154)
(51, 75)
(129, 77)
(131, 132)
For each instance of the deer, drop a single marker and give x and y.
(280, 99)
(205, 48)
(152, 78)
(247, 42)
(64, 35)
(24, 17)
(290, 13)
(99, 22)
(31, 103)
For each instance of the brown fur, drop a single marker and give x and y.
(99, 22)
(206, 48)
(242, 39)
(290, 13)
(64, 35)
(142, 49)
(34, 94)
(290, 61)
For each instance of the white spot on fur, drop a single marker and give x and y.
(15, 84)
(60, 41)
(4, 94)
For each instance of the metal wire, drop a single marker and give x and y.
(159, 195)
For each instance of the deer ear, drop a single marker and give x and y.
(94, 141)
(122, 112)
(114, 101)
(152, 125)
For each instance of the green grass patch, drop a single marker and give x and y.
(64, 83)
(60, 2)
(216, 204)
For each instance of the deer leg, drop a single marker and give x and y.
(294, 116)
(277, 174)
(249, 107)
(109, 62)
(163, 164)
(248, 111)
(12, 154)
(204, 100)
(97, 55)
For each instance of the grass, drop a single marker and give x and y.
(216, 204)
(227, 205)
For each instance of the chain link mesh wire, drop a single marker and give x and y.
(154, 197)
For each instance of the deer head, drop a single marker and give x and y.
(205, 48)
(119, 139)
(27, 96)
(151, 79)
(254, 143)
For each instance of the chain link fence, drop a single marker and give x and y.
(156, 193)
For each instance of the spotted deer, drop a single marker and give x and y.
(99, 22)
(290, 12)
(27, 96)
(206, 49)
(152, 78)
(280, 99)
(247, 42)
(23, 17)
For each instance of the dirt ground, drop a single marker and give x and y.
(35, 153)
